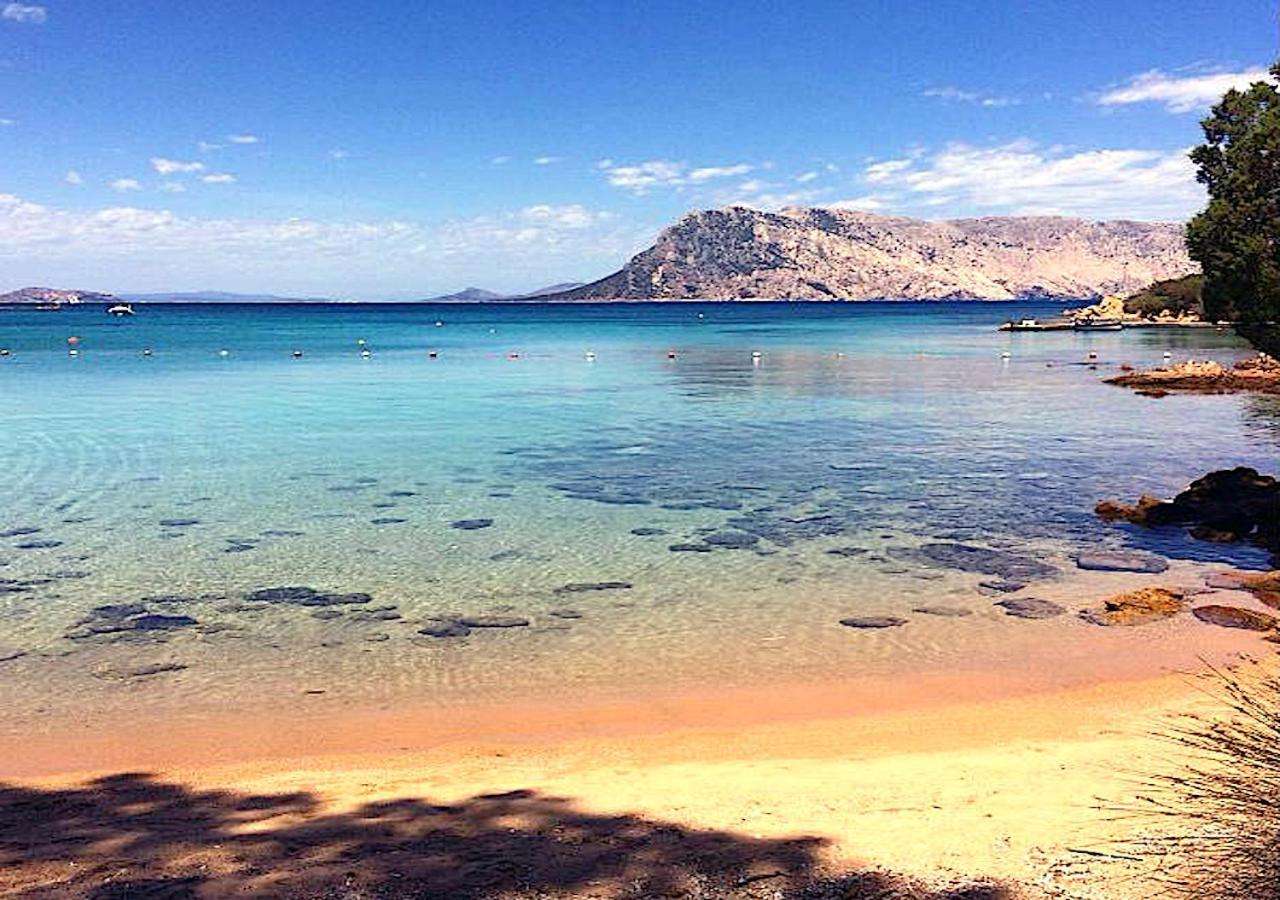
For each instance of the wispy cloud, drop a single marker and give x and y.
(536, 241)
(73, 177)
(640, 178)
(208, 147)
(174, 167)
(7, 123)
(546, 160)
(866, 203)
(337, 153)
(806, 177)
(244, 139)
(20, 12)
(1180, 93)
(1024, 178)
(126, 184)
(500, 160)
(218, 178)
(173, 187)
(974, 98)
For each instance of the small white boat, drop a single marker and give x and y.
(120, 309)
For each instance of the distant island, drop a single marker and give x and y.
(823, 254)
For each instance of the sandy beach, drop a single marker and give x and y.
(746, 794)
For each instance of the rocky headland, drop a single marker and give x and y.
(825, 254)
(1259, 373)
(45, 296)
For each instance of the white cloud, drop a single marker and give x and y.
(1024, 178)
(868, 203)
(73, 177)
(806, 177)
(6, 123)
(244, 139)
(706, 173)
(640, 178)
(126, 184)
(129, 244)
(956, 95)
(500, 160)
(19, 12)
(218, 178)
(338, 153)
(1181, 94)
(173, 187)
(546, 160)
(173, 166)
(206, 147)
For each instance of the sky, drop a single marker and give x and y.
(407, 148)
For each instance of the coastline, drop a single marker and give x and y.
(1014, 779)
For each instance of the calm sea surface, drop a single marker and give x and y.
(655, 520)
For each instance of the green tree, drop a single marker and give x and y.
(1236, 239)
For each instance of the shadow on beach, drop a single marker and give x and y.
(134, 836)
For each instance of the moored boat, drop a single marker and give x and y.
(120, 309)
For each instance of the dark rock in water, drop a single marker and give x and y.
(239, 548)
(1121, 561)
(732, 540)
(1230, 504)
(38, 545)
(402, 493)
(1235, 617)
(946, 611)
(159, 622)
(873, 622)
(364, 480)
(445, 630)
(1030, 608)
(327, 613)
(582, 587)
(690, 548)
(1148, 604)
(968, 558)
(146, 671)
(387, 520)
(282, 532)
(305, 596)
(609, 499)
(504, 555)
(645, 531)
(1002, 587)
(21, 531)
(565, 613)
(848, 551)
(178, 523)
(380, 614)
(10, 653)
(471, 524)
(493, 622)
(384, 505)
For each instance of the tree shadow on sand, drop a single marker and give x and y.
(133, 836)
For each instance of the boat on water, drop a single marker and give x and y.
(120, 309)
(1094, 324)
(1036, 325)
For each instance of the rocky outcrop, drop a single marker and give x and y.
(1259, 373)
(823, 254)
(1224, 506)
(1148, 604)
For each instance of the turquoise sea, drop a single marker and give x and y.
(644, 496)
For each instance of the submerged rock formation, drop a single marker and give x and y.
(825, 254)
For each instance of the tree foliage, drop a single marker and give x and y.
(1236, 239)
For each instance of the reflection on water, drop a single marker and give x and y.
(518, 515)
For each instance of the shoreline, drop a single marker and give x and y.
(958, 786)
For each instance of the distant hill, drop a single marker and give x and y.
(44, 296)
(218, 297)
(823, 254)
(480, 295)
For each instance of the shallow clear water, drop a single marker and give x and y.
(875, 427)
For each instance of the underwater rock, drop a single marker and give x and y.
(21, 531)
(732, 540)
(951, 612)
(565, 613)
(387, 520)
(581, 587)
(690, 548)
(970, 558)
(873, 622)
(471, 524)
(1235, 617)
(1121, 561)
(645, 531)
(38, 545)
(1030, 608)
(305, 596)
(1002, 587)
(848, 551)
(178, 523)
(445, 629)
(493, 622)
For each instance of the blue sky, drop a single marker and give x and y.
(402, 149)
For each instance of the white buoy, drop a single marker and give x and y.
(365, 354)
(591, 356)
(224, 352)
(73, 352)
(1093, 355)
(439, 324)
(360, 342)
(146, 351)
(756, 354)
(297, 354)
(1168, 355)
(1005, 354)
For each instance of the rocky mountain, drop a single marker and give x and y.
(480, 295)
(823, 254)
(219, 297)
(44, 296)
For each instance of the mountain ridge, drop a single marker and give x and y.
(813, 253)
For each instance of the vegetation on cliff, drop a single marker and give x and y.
(1177, 296)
